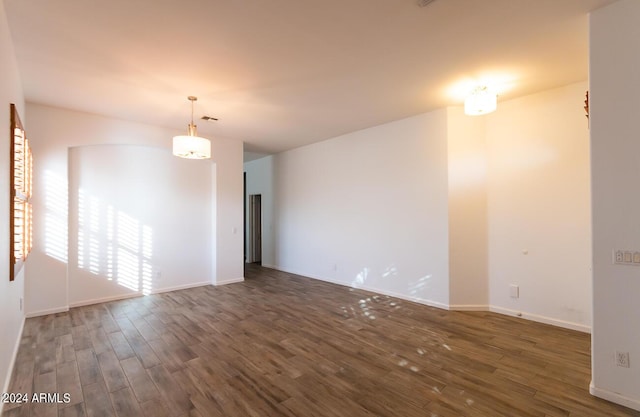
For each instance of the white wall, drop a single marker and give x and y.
(538, 205)
(366, 209)
(54, 132)
(139, 221)
(468, 241)
(11, 317)
(260, 181)
(227, 171)
(615, 172)
(369, 209)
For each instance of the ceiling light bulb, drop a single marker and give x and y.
(480, 101)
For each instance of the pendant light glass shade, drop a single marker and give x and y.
(480, 101)
(191, 146)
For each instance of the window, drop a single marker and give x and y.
(21, 186)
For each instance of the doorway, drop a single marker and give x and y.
(255, 228)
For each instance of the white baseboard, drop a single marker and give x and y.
(181, 287)
(229, 281)
(104, 299)
(542, 319)
(12, 362)
(524, 315)
(47, 312)
(614, 397)
(114, 298)
(469, 307)
(429, 303)
(303, 274)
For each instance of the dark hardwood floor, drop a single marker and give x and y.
(284, 345)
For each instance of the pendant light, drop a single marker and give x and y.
(191, 146)
(480, 101)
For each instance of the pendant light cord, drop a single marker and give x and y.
(192, 127)
(192, 111)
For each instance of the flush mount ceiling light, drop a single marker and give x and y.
(480, 101)
(191, 146)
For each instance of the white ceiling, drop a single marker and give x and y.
(284, 73)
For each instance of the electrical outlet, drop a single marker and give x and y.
(20, 303)
(622, 359)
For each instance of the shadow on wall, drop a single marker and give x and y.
(110, 243)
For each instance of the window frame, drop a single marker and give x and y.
(21, 182)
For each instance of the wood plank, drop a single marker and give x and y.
(62, 324)
(44, 383)
(97, 401)
(68, 381)
(23, 369)
(145, 330)
(76, 410)
(125, 403)
(112, 372)
(88, 367)
(76, 317)
(46, 357)
(132, 368)
(155, 409)
(46, 329)
(99, 340)
(65, 352)
(81, 338)
(16, 411)
(142, 385)
(109, 325)
(174, 397)
(168, 356)
(120, 345)
(91, 317)
(206, 406)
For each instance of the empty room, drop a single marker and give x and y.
(339, 208)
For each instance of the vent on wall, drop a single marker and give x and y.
(424, 3)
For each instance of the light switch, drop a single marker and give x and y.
(626, 257)
(514, 291)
